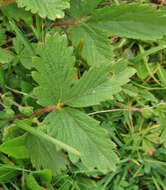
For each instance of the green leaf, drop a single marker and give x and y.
(26, 58)
(96, 86)
(87, 183)
(26, 86)
(28, 110)
(51, 8)
(23, 39)
(17, 45)
(9, 112)
(38, 133)
(96, 45)
(2, 78)
(11, 132)
(162, 122)
(55, 70)
(55, 66)
(133, 91)
(15, 147)
(32, 183)
(6, 174)
(131, 20)
(6, 56)
(44, 154)
(142, 71)
(44, 175)
(83, 133)
(23, 50)
(19, 13)
(82, 8)
(2, 36)
(162, 75)
(148, 95)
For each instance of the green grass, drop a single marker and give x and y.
(135, 118)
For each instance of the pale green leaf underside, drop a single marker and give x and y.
(44, 154)
(84, 134)
(96, 47)
(97, 85)
(131, 20)
(45, 8)
(55, 70)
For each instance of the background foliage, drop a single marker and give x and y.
(82, 95)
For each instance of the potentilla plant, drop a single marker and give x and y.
(54, 128)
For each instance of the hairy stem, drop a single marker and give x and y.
(48, 109)
(44, 110)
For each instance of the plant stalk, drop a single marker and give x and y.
(64, 23)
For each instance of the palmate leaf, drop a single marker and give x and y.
(54, 70)
(45, 8)
(130, 20)
(78, 130)
(96, 46)
(55, 73)
(45, 155)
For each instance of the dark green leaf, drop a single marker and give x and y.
(131, 20)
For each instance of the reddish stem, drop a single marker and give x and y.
(131, 108)
(44, 110)
(12, 118)
(64, 23)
